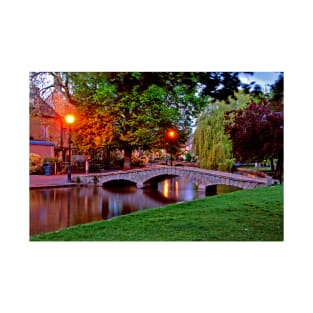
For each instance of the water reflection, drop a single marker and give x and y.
(165, 188)
(56, 208)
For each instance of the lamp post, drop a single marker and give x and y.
(172, 135)
(69, 118)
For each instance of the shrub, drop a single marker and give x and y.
(50, 160)
(188, 157)
(35, 163)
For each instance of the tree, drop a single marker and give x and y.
(277, 92)
(93, 130)
(257, 133)
(210, 142)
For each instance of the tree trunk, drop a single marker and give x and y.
(280, 166)
(106, 157)
(272, 164)
(127, 158)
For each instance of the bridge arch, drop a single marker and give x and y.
(219, 189)
(156, 179)
(118, 182)
(220, 181)
(104, 180)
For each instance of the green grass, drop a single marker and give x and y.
(254, 215)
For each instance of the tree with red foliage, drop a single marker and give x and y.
(257, 133)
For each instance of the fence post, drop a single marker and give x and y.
(86, 166)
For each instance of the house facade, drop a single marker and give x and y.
(48, 133)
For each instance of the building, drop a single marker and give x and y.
(48, 133)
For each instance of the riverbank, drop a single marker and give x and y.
(245, 215)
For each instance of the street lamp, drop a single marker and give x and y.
(69, 118)
(171, 135)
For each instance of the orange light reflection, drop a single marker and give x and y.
(165, 188)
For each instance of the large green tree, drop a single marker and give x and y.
(145, 105)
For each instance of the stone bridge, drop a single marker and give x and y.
(148, 176)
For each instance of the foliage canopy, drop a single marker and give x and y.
(257, 133)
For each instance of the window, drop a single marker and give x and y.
(44, 131)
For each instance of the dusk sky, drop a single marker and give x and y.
(261, 78)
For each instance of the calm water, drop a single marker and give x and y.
(52, 209)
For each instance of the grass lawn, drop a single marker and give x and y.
(254, 215)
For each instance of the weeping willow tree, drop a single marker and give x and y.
(212, 146)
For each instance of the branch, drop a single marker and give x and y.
(65, 86)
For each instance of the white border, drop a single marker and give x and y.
(163, 36)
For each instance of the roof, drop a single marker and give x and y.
(41, 142)
(40, 107)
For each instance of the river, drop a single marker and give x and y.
(53, 209)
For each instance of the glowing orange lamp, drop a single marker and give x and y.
(171, 134)
(70, 119)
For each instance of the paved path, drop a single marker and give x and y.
(36, 181)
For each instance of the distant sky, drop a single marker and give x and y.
(261, 78)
